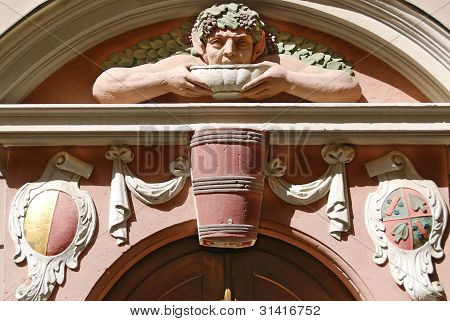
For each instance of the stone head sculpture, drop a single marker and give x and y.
(229, 34)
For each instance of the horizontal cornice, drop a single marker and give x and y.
(310, 124)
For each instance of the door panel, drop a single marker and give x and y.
(277, 292)
(191, 289)
(172, 277)
(271, 270)
(282, 275)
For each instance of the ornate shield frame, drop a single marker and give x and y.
(410, 268)
(61, 174)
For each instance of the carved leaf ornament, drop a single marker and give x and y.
(406, 218)
(176, 42)
(332, 182)
(123, 179)
(51, 222)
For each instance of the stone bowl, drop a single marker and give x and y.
(226, 81)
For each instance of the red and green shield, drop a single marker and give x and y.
(407, 217)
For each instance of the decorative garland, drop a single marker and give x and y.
(333, 182)
(177, 42)
(123, 180)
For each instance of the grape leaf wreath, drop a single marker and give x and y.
(227, 16)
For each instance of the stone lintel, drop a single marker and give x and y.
(171, 124)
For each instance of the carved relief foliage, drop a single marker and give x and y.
(406, 218)
(34, 207)
(176, 42)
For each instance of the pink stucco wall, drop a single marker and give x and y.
(152, 227)
(72, 83)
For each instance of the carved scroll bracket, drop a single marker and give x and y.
(51, 222)
(333, 182)
(406, 219)
(148, 193)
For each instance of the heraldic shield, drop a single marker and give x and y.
(406, 218)
(51, 222)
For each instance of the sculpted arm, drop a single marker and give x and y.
(315, 84)
(142, 83)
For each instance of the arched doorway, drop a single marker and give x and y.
(271, 270)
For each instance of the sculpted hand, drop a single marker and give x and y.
(180, 81)
(272, 82)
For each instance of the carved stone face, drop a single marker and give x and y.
(229, 47)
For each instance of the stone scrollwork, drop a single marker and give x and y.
(51, 222)
(333, 182)
(148, 193)
(406, 218)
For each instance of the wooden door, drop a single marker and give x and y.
(271, 270)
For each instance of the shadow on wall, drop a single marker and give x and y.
(305, 164)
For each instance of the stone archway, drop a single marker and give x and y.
(58, 31)
(271, 270)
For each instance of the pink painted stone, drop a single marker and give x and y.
(64, 225)
(228, 179)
